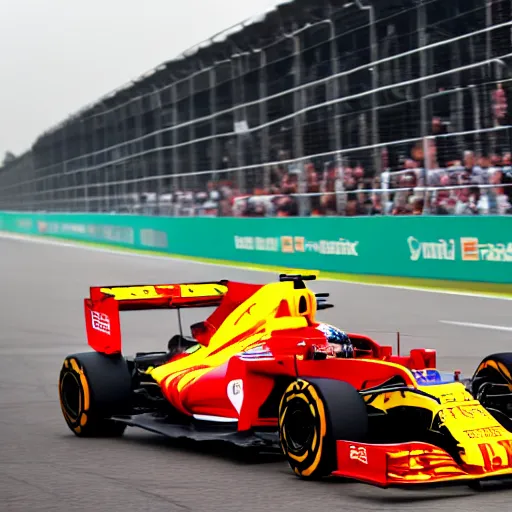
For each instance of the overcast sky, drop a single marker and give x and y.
(56, 56)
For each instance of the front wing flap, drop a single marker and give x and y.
(403, 464)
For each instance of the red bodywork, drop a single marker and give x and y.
(286, 353)
(256, 342)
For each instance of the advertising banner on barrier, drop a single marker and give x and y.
(452, 248)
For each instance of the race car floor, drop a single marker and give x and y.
(44, 467)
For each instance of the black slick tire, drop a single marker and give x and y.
(92, 388)
(313, 415)
(493, 378)
(496, 368)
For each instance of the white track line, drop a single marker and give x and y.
(478, 326)
(127, 252)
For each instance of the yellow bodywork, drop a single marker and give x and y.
(123, 293)
(483, 442)
(246, 327)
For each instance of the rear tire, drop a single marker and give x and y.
(313, 415)
(92, 388)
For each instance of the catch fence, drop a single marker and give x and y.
(328, 116)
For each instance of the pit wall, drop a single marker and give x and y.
(472, 249)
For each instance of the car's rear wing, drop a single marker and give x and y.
(166, 296)
(105, 302)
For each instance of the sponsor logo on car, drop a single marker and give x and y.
(100, 322)
(358, 453)
(236, 394)
(463, 411)
(485, 432)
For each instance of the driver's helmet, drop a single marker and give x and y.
(339, 340)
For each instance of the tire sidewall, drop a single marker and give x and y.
(104, 389)
(72, 369)
(329, 401)
(495, 368)
(305, 463)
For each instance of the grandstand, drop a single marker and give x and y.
(317, 107)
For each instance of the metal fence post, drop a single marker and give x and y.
(237, 73)
(298, 124)
(65, 181)
(160, 163)
(120, 168)
(424, 129)
(335, 88)
(109, 168)
(139, 163)
(97, 173)
(263, 116)
(374, 56)
(174, 151)
(192, 131)
(213, 124)
(82, 167)
(298, 135)
(375, 85)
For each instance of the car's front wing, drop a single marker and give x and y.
(409, 463)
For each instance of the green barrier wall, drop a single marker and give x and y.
(448, 248)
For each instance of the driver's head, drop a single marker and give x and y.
(339, 340)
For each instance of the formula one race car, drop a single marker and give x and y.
(261, 372)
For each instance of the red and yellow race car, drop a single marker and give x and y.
(261, 371)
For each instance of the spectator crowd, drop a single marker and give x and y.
(473, 185)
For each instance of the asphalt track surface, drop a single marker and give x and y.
(43, 466)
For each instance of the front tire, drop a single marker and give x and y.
(492, 386)
(313, 415)
(92, 388)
